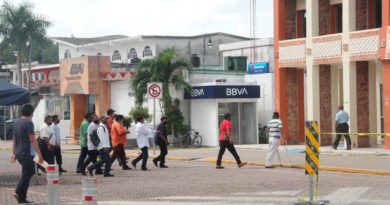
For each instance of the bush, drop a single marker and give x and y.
(139, 111)
(127, 122)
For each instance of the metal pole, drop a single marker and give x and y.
(154, 123)
(5, 124)
(29, 66)
(311, 188)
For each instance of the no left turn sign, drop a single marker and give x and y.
(154, 90)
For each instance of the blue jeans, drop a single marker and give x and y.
(144, 156)
(28, 170)
(82, 157)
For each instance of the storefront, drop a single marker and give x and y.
(81, 80)
(208, 103)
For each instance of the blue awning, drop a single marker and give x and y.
(11, 94)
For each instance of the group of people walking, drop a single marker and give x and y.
(101, 136)
(111, 135)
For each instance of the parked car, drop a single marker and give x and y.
(9, 130)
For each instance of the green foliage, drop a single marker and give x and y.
(164, 68)
(19, 25)
(139, 111)
(127, 122)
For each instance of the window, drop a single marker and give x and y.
(67, 54)
(132, 54)
(336, 18)
(116, 56)
(147, 51)
(58, 106)
(99, 54)
(301, 24)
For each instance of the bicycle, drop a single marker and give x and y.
(192, 138)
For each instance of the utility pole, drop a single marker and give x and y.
(29, 64)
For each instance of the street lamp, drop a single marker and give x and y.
(209, 44)
(28, 44)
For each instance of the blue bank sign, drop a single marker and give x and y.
(223, 91)
(255, 68)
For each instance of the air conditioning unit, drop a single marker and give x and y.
(44, 90)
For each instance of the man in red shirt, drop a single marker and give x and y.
(118, 134)
(226, 141)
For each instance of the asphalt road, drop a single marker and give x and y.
(198, 182)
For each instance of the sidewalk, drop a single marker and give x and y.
(375, 160)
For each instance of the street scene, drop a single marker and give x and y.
(191, 179)
(192, 102)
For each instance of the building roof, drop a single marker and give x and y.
(83, 41)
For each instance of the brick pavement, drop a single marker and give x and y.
(194, 182)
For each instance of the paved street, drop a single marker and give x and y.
(198, 182)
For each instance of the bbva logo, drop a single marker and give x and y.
(197, 92)
(236, 91)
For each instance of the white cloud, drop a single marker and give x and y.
(90, 18)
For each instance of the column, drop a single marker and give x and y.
(312, 71)
(349, 68)
(386, 101)
(372, 101)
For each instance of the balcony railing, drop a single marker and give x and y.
(327, 49)
(292, 53)
(364, 45)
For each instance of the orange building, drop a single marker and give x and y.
(330, 53)
(81, 80)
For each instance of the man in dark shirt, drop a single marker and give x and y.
(25, 147)
(163, 143)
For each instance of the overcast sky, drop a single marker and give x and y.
(92, 18)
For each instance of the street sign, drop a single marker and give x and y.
(154, 90)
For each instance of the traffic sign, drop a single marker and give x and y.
(154, 90)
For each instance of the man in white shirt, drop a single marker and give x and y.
(143, 142)
(92, 149)
(103, 149)
(275, 133)
(46, 140)
(57, 145)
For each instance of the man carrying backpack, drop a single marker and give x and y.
(103, 147)
(162, 141)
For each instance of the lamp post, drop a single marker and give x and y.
(209, 44)
(28, 44)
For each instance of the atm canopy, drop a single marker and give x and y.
(11, 94)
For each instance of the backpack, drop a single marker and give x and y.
(94, 136)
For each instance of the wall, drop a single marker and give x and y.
(265, 105)
(204, 118)
(324, 17)
(362, 100)
(361, 14)
(290, 19)
(325, 103)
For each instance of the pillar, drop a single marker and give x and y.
(312, 71)
(386, 101)
(372, 101)
(77, 113)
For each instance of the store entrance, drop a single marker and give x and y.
(243, 121)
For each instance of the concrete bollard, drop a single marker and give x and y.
(53, 185)
(89, 191)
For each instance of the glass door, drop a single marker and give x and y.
(248, 123)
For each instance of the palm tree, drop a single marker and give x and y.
(18, 25)
(164, 68)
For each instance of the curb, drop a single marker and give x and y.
(261, 164)
(323, 168)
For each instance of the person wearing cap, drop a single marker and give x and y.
(275, 133)
(226, 141)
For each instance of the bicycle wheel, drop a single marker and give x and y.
(197, 141)
(184, 141)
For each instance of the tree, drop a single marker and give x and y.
(164, 68)
(18, 25)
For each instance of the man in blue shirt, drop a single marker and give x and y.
(342, 128)
(24, 148)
